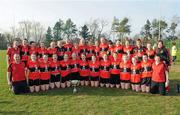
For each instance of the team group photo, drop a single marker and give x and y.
(82, 57)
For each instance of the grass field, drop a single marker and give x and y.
(101, 101)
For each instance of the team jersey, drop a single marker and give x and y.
(65, 68)
(94, 68)
(44, 68)
(135, 73)
(41, 52)
(150, 54)
(51, 51)
(125, 71)
(139, 51)
(55, 67)
(119, 50)
(17, 71)
(103, 49)
(128, 50)
(33, 67)
(68, 49)
(76, 51)
(105, 69)
(115, 66)
(11, 52)
(82, 49)
(90, 51)
(60, 53)
(24, 52)
(146, 69)
(33, 50)
(74, 65)
(84, 68)
(96, 51)
(158, 73)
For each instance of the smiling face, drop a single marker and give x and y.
(15, 44)
(134, 60)
(17, 58)
(33, 57)
(83, 57)
(45, 58)
(93, 58)
(124, 58)
(66, 57)
(160, 44)
(145, 58)
(74, 56)
(54, 57)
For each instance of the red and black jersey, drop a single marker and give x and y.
(111, 50)
(103, 49)
(33, 50)
(94, 68)
(135, 73)
(125, 71)
(82, 49)
(68, 49)
(55, 67)
(44, 68)
(96, 51)
(65, 68)
(151, 54)
(33, 67)
(60, 53)
(139, 51)
(105, 69)
(115, 69)
(17, 71)
(24, 52)
(128, 50)
(51, 51)
(146, 68)
(90, 51)
(74, 65)
(84, 68)
(11, 52)
(41, 52)
(76, 51)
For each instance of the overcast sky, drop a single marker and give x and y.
(80, 11)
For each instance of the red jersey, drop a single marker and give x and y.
(119, 50)
(158, 74)
(55, 67)
(41, 52)
(90, 51)
(60, 53)
(96, 51)
(33, 68)
(105, 67)
(76, 51)
(115, 66)
(51, 51)
(24, 53)
(139, 52)
(103, 49)
(84, 68)
(150, 54)
(11, 52)
(146, 69)
(45, 70)
(68, 49)
(74, 65)
(125, 71)
(17, 71)
(33, 51)
(135, 73)
(94, 69)
(128, 50)
(82, 49)
(65, 68)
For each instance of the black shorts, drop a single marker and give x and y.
(55, 78)
(84, 78)
(43, 82)
(74, 76)
(66, 78)
(136, 83)
(114, 79)
(20, 87)
(125, 81)
(146, 81)
(104, 81)
(35, 82)
(94, 78)
(158, 88)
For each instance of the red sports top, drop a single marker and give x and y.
(17, 71)
(11, 52)
(51, 51)
(115, 66)
(24, 53)
(45, 70)
(65, 68)
(68, 49)
(33, 68)
(105, 69)
(41, 52)
(158, 74)
(55, 67)
(84, 68)
(136, 73)
(33, 51)
(94, 69)
(74, 65)
(125, 71)
(146, 69)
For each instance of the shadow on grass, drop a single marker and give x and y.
(103, 91)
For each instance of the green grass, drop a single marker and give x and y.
(88, 100)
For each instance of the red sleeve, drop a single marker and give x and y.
(9, 68)
(8, 51)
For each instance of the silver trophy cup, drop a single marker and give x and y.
(75, 83)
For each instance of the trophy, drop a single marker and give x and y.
(74, 83)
